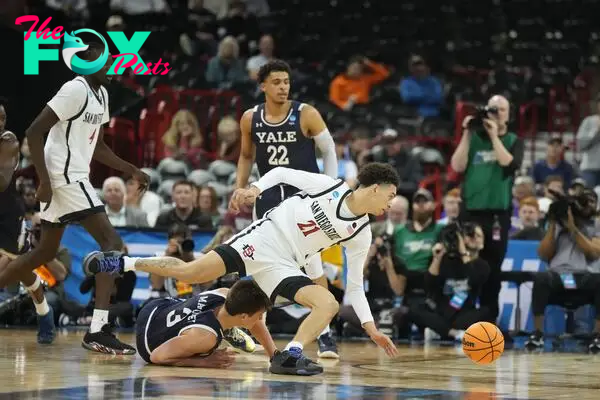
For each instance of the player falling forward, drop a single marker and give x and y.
(282, 132)
(74, 118)
(11, 221)
(273, 249)
(187, 333)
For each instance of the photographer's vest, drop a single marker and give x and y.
(485, 186)
(413, 247)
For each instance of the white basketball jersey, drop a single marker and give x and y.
(312, 223)
(72, 141)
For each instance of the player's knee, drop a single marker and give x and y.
(330, 305)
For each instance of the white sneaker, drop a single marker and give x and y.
(431, 335)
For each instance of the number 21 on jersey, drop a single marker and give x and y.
(308, 228)
(278, 155)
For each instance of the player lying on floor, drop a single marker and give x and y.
(187, 333)
(273, 249)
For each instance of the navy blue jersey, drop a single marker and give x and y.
(281, 144)
(163, 319)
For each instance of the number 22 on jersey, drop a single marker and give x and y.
(308, 228)
(278, 155)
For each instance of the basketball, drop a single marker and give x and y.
(483, 343)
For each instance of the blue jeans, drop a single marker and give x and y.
(591, 177)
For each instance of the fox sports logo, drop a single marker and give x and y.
(73, 45)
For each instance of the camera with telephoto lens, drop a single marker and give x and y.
(183, 235)
(384, 248)
(481, 113)
(581, 205)
(449, 237)
(187, 245)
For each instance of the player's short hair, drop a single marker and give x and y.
(93, 51)
(273, 66)
(245, 297)
(377, 174)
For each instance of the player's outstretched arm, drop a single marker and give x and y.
(262, 334)
(35, 138)
(183, 350)
(9, 158)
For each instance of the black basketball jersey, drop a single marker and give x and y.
(281, 144)
(173, 316)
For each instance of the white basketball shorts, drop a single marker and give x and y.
(71, 203)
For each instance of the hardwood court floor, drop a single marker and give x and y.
(65, 370)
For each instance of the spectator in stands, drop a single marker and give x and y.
(115, 23)
(226, 69)
(208, 203)
(353, 87)
(183, 140)
(528, 227)
(489, 158)
(359, 142)
(184, 211)
(524, 187)
(588, 144)
(30, 203)
(570, 247)
(347, 169)
(143, 200)
(451, 203)
(396, 218)
(200, 36)
(119, 214)
(421, 89)
(554, 164)
(265, 47)
(228, 136)
(391, 151)
(453, 284)
(553, 183)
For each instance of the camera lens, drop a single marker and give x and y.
(187, 245)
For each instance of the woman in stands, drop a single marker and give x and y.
(183, 140)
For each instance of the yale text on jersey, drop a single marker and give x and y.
(276, 137)
(323, 221)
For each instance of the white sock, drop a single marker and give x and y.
(99, 319)
(42, 308)
(294, 344)
(129, 263)
(325, 331)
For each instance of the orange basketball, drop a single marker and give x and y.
(483, 343)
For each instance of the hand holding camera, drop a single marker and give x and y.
(438, 250)
(491, 127)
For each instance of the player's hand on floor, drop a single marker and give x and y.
(221, 358)
(385, 343)
(44, 192)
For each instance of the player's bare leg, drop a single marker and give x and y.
(100, 338)
(325, 341)
(20, 269)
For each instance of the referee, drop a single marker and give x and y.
(489, 157)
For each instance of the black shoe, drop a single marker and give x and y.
(535, 341)
(327, 346)
(106, 342)
(293, 362)
(110, 262)
(594, 346)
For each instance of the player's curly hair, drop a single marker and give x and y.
(93, 51)
(245, 297)
(273, 66)
(377, 174)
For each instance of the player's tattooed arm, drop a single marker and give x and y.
(197, 271)
(9, 158)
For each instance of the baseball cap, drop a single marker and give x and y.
(578, 182)
(555, 138)
(422, 192)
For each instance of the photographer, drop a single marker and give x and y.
(571, 246)
(180, 245)
(453, 283)
(489, 155)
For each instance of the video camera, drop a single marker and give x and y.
(386, 247)
(481, 113)
(581, 205)
(449, 236)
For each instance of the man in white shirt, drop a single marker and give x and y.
(119, 214)
(75, 117)
(272, 250)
